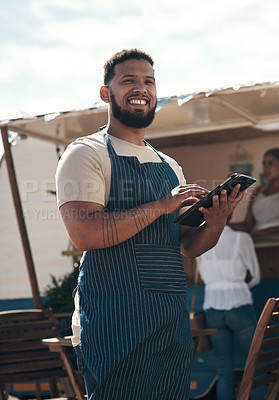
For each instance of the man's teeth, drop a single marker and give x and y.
(138, 101)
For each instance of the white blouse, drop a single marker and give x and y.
(223, 270)
(266, 211)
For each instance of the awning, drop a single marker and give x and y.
(222, 115)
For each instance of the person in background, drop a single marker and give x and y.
(228, 270)
(118, 198)
(262, 216)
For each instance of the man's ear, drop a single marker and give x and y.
(104, 94)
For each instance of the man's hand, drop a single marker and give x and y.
(195, 241)
(181, 196)
(217, 215)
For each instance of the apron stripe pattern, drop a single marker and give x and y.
(135, 334)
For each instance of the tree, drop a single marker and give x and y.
(59, 294)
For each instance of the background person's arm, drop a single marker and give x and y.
(248, 223)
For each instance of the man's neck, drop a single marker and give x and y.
(125, 132)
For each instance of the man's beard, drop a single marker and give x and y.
(135, 119)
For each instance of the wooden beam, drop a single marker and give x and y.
(20, 219)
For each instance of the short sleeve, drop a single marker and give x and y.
(180, 175)
(80, 175)
(177, 169)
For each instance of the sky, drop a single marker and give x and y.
(53, 51)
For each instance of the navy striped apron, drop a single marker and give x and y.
(135, 334)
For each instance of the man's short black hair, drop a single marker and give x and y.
(120, 57)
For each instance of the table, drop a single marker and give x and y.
(59, 345)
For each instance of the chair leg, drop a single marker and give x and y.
(38, 390)
(3, 394)
(68, 388)
(196, 343)
(53, 388)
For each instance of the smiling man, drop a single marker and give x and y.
(143, 105)
(118, 198)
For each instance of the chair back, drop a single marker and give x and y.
(23, 357)
(262, 365)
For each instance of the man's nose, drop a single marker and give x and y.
(140, 87)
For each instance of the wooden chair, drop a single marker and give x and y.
(23, 356)
(262, 365)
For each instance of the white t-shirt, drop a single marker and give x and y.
(266, 211)
(223, 270)
(84, 174)
(84, 170)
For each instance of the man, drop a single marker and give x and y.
(118, 198)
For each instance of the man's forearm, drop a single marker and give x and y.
(100, 229)
(90, 227)
(196, 241)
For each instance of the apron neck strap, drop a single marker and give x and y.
(112, 151)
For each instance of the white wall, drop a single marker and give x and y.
(35, 163)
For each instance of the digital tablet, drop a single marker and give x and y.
(193, 217)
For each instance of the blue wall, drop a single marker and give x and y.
(16, 304)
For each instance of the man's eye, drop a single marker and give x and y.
(150, 82)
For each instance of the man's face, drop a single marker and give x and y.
(133, 93)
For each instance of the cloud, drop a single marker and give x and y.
(45, 63)
(52, 52)
(108, 7)
(90, 33)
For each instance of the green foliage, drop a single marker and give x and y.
(59, 294)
